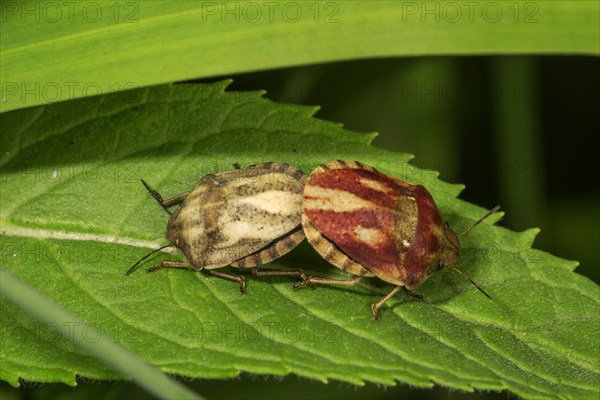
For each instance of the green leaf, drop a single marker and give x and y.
(75, 217)
(64, 51)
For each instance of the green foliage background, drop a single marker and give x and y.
(516, 131)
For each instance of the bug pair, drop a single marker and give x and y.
(367, 223)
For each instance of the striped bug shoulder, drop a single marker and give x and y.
(279, 168)
(343, 164)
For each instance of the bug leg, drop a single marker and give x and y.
(274, 272)
(231, 277)
(327, 281)
(169, 264)
(178, 264)
(375, 307)
(165, 204)
(412, 294)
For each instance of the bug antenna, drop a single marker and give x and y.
(493, 210)
(130, 270)
(472, 281)
(157, 197)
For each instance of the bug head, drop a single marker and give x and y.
(178, 233)
(450, 251)
(450, 248)
(175, 233)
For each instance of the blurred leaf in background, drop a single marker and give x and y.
(59, 51)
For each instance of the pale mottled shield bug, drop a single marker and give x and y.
(373, 225)
(243, 217)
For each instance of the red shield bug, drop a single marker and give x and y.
(244, 218)
(373, 225)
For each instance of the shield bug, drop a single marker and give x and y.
(373, 225)
(243, 217)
